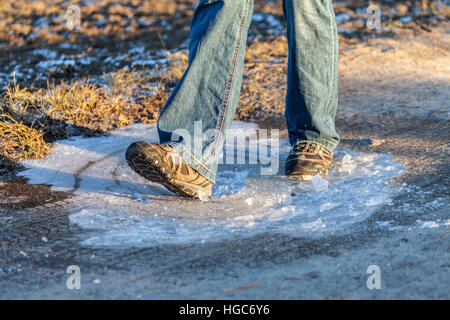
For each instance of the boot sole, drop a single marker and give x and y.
(148, 164)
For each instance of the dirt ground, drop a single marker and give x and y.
(394, 99)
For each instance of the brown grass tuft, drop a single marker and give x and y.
(20, 142)
(30, 117)
(275, 49)
(178, 63)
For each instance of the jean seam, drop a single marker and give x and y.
(332, 143)
(328, 146)
(333, 63)
(230, 81)
(200, 164)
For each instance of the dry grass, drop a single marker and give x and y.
(267, 50)
(29, 118)
(24, 22)
(19, 142)
(123, 20)
(264, 82)
(32, 117)
(178, 63)
(87, 104)
(99, 18)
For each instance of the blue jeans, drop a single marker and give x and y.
(205, 99)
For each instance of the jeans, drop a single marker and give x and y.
(205, 99)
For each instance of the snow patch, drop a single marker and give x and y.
(432, 224)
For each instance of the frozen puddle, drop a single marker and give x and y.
(118, 208)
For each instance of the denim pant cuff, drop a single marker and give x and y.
(330, 146)
(193, 162)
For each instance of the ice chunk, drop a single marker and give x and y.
(427, 224)
(250, 201)
(405, 19)
(280, 213)
(247, 221)
(314, 224)
(381, 224)
(374, 201)
(347, 158)
(203, 196)
(328, 206)
(319, 183)
(285, 199)
(342, 17)
(347, 164)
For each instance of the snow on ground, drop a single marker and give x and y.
(118, 208)
(275, 27)
(49, 60)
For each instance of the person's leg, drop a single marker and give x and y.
(312, 94)
(207, 95)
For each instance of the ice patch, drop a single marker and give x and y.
(328, 206)
(269, 20)
(345, 31)
(249, 201)
(389, 226)
(313, 225)
(432, 224)
(63, 60)
(405, 19)
(374, 201)
(118, 208)
(46, 53)
(343, 17)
